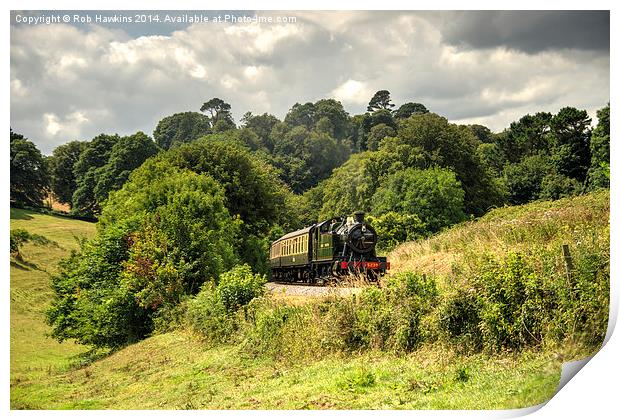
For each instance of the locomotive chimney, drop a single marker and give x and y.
(359, 216)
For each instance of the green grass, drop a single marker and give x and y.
(178, 371)
(175, 371)
(33, 354)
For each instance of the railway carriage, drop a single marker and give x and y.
(328, 250)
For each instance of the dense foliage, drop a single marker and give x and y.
(104, 166)
(61, 162)
(29, 172)
(180, 128)
(173, 235)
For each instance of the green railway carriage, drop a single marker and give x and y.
(327, 250)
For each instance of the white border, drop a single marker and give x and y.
(592, 393)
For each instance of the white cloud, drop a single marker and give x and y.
(52, 126)
(352, 92)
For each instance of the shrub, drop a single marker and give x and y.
(207, 315)
(212, 312)
(384, 319)
(395, 228)
(513, 313)
(239, 286)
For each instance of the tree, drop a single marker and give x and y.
(524, 179)
(301, 114)
(570, 130)
(305, 157)
(434, 195)
(62, 162)
(180, 128)
(598, 174)
(481, 132)
(395, 228)
(222, 125)
(378, 133)
(381, 100)
(127, 154)
(94, 156)
(30, 177)
(490, 157)
(528, 136)
(451, 146)
(169, 233)
(554, 186)
(261, 125)
(104, 166)
(218, 109)
(334, 112)
(252, 188)
(408, 109)
(382, 116)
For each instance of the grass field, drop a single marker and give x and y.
(178, 371)
(33, 354)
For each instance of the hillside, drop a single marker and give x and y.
(179, 370)
(534, 229)
(33, 354)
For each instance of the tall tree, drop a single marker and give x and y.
(452, 146)
(261, 125)
(570, 129)
(528, 136)
(335, 113)
(218, 109)
(92, 158)
(29, 173)
(381, 100)
(301, 114)
(62, 162)
(408, 109)
(180, 128)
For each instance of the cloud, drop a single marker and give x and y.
(530, 31)
(72, 82)
(352, 92)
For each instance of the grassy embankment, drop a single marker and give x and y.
(176, 370)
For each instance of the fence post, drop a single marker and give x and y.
(568, 261)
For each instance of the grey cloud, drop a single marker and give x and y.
(530, 31)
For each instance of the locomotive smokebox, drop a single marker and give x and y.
(358, 216)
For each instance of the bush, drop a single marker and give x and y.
(555, 186)
(395, 228)
(514, 308)
(384, 319)
(239, 286)
(212, 312)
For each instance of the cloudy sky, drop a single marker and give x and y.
(76, 80)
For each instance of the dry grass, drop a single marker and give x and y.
(536, 227)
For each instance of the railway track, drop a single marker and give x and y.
(310, 291)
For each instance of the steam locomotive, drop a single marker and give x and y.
(326, 251)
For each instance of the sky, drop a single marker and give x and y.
(72, 81)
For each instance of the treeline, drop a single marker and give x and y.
(412, 170)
